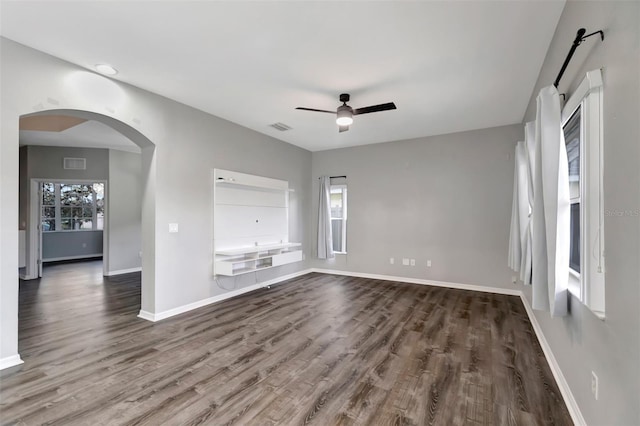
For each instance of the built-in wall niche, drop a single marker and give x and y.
(250, 223)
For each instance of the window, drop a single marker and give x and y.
(572, 137)
(582, 125)
(339, 218)
(72, 207)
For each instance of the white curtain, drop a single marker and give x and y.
(325, 240)
(550, 219)
(530, 148)
(520, 208)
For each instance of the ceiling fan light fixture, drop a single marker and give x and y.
(345, 116)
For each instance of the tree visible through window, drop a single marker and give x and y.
(72, 207)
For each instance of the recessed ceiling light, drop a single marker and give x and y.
(106, 69)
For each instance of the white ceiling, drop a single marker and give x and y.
(90, 134)
(449, 66)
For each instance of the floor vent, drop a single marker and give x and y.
(280, 126)
(75, 163)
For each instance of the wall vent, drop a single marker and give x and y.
(75, 163)
(280, 126)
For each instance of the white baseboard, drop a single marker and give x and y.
(459, 286)
(10, 361)
(219, 298)
(147, 316)
(81, 256)
(567, 395)
(123, 271)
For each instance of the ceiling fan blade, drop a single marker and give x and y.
(375, 108)
(342, 129)
(316, 110)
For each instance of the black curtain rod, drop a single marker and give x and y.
(334, 177)
(580, 37)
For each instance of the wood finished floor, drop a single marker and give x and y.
(320, 349)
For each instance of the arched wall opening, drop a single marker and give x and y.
(108, 164)
(8, 329)
(147, 149)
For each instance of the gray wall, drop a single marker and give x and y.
(124, 211)
(180, 147)
(122, 170)
(46, 162)
(581, 342)
(444, 198)
(65, 244)
(23, 198)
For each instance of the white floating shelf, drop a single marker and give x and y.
(256, 249)
(250, 261)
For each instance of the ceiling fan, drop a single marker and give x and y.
(345, 113)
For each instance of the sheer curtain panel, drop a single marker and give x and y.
(520, 208)
(530, 148)
(551, 214)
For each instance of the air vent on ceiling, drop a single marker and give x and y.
(280, 126)
(75, 163)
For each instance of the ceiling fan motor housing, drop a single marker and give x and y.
(344, 115)
(344, 110)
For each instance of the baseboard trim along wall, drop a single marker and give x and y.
(567, 395)
(81, 256)
(459, 286)
(10, 361)
(123, 271)
(219, 298)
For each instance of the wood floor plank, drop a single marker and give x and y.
(318, 349)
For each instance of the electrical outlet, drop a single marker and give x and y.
(429, 263)
(514, 279)
(594, 385)
(173, 227)
(405, 261)
(392, 260)
(413, 262)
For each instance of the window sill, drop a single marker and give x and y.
(575, 285)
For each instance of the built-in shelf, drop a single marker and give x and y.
(241, 260)
(250, 223)
(256, 249)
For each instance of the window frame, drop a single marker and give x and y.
(343, 189)
(588, 285)
(575, 278)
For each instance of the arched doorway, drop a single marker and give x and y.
(147, 192)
